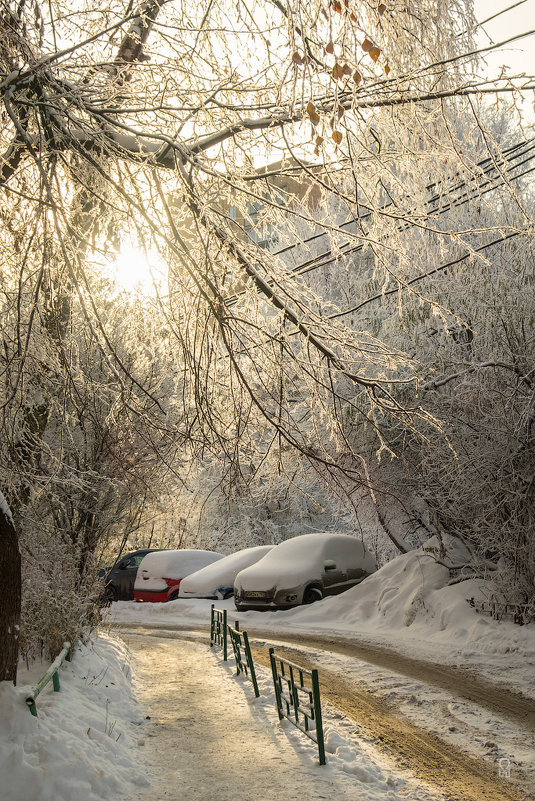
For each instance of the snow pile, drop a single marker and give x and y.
(412, 595)
(79, 746)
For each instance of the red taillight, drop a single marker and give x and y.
(172, 582)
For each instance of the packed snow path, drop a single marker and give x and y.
(206, 738)
(204, 742)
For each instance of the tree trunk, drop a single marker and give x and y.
(10, 597)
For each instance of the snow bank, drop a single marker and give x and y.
(411, 596)
(79, 747)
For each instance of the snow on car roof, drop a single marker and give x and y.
(222, 573)
(310, 546)
(304, 555)
(177, 564)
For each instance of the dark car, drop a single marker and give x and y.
(121, 576)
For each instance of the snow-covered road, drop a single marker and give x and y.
(366, 736)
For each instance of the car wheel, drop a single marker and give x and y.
(108, 596)
(312, 594)
(173, 596)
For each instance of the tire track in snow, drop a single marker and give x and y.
(497, 699)
(459, 776)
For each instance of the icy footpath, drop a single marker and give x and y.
(209, 738)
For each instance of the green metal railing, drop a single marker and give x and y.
(50, 675)
(240, 641)
(218, 629)
(297, 690)
(297, 693)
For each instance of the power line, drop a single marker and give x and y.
(489, 180)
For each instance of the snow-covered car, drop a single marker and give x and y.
(302, 570)
(120, 577)
(217, 580)
(160, 573)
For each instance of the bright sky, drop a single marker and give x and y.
(136, 271)
(519, 55)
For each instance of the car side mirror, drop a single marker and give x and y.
(123, 565)
(329, 564)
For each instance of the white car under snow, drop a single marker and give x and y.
(160, 573)
(302, 570)
(217, 580)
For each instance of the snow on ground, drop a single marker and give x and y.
(206, 735)
(81, 745)
(472, 728)
(93, 742)
(407, 604)
(220, 742)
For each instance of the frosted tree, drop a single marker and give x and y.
(277, 156)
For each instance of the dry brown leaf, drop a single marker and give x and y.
(337, 137)
(374, 53)
(338, 72)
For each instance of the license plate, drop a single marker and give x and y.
(256, 594)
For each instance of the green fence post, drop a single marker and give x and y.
(250, 663)
(225, 635)
(317, 716)
(275, 681)
(50, 675)
(289, 684)
(31, 706)
(212, 625)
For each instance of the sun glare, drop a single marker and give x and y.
(136, 270)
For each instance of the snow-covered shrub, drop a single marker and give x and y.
(56, 602)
